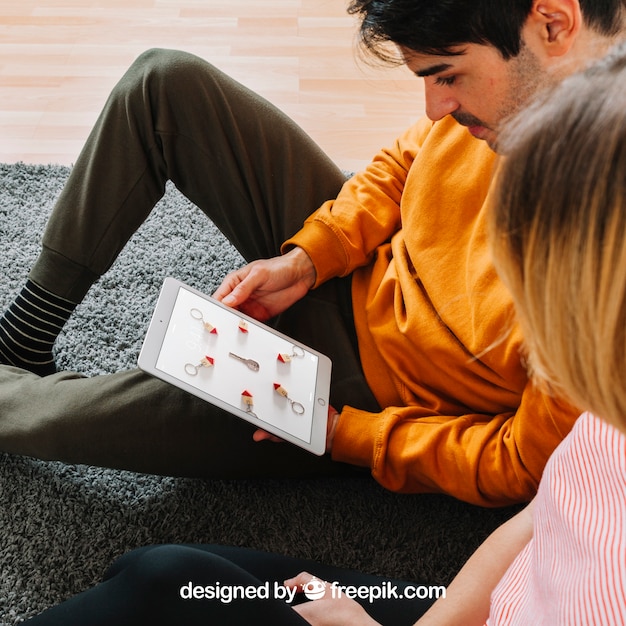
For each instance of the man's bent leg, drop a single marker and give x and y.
(174, 116)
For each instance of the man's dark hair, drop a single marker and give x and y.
(434, 27)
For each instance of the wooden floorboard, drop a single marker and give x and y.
(60, 58)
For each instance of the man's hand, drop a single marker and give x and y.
(329, 611)
(331, 426)
(265, 288)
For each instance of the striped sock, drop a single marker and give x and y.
(30, 327)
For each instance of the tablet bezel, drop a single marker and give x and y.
(156, 335)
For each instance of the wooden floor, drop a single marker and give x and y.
(60, 58)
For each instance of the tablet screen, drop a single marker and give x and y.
(240, 363)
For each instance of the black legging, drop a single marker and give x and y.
(151, 585)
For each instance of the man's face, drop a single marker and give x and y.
(478, 88)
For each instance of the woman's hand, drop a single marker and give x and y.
(328, 610)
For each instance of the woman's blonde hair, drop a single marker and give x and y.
(558, 230)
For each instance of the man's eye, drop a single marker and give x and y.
(445, 80)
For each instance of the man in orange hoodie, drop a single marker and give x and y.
(429, 389)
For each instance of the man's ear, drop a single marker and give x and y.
(556, 24)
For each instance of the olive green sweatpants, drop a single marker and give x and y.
(257, 176)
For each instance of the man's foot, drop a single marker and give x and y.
(30, 327)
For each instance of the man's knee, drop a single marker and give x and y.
(172, 70)
(169, 64)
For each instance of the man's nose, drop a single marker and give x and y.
(438, 101)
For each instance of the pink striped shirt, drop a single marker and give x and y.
(573, 570)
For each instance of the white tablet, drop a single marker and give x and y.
(238, 364)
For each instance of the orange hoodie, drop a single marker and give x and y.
(438, 344)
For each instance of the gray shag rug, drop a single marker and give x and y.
(62, 525)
